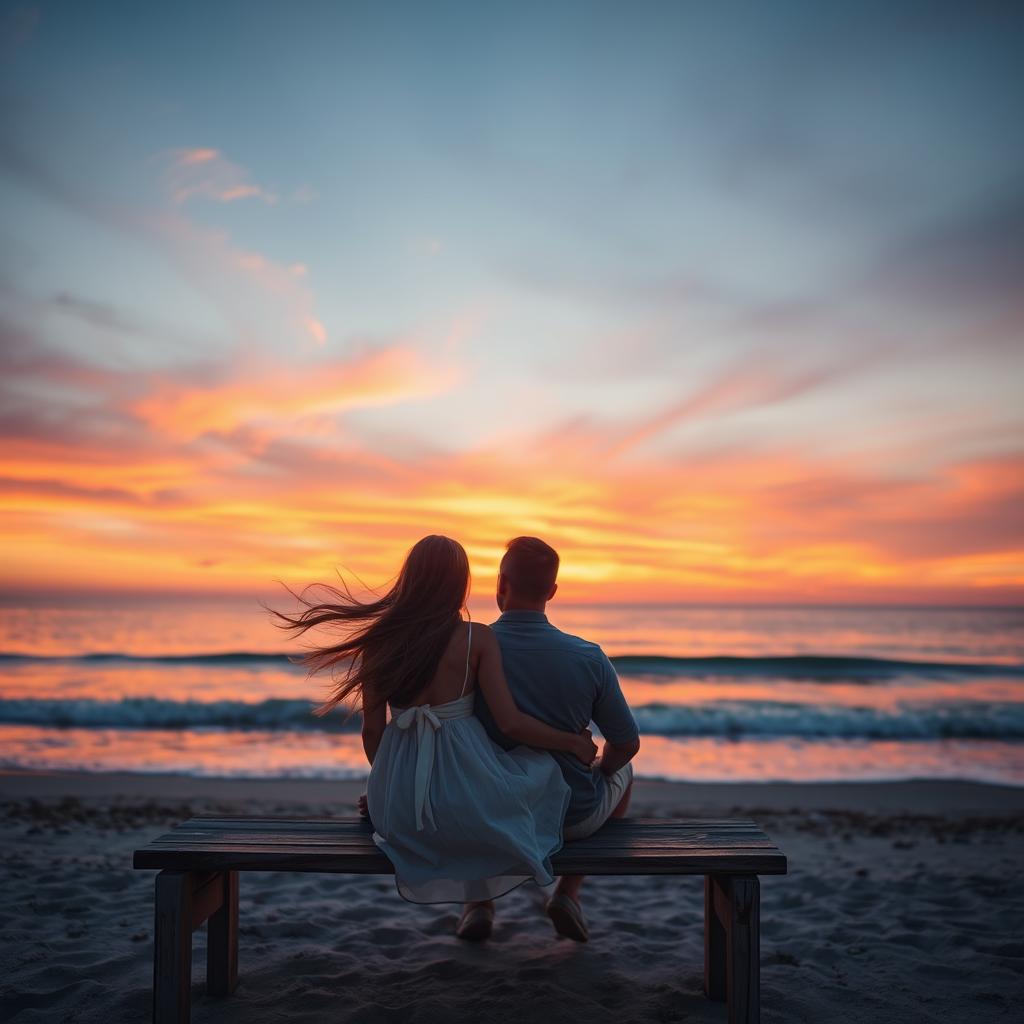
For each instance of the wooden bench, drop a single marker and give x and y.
(199, 861)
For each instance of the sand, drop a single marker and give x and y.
(903, 903)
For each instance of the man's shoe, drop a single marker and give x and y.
(475, 924)
(567, 917)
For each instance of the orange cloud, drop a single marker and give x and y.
(267, 392)
(643, 536)
(234, 474)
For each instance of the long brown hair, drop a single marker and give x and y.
(395, 643)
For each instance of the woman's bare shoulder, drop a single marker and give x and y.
(483, 635)
(479, 634)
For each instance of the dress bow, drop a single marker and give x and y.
(427, 723)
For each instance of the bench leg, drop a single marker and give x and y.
(172, 953)
(732, 926)
(222, 940)
(714, 944)
(184, 901)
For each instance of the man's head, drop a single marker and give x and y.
(526, 577)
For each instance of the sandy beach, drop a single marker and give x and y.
(903, 904)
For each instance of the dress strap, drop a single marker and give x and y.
(469, 641)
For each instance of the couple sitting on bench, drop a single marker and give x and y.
(461, 801)
(461, 808)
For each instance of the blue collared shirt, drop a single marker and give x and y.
(567, 683)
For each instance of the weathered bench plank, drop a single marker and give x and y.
(199, 861)
(344, 846)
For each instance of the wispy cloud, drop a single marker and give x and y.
(254, 390)
(250, 287)
(757, 380)
(204, 173)
(100, 315)
(255, 291)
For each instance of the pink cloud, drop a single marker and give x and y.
(316, 330)
(204, 173)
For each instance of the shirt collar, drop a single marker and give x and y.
(522, 615)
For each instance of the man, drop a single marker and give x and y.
(567, 683)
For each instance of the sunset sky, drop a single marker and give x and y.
(726, 302)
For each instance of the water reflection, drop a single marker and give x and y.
(321, 755)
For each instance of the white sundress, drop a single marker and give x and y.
(460, 818)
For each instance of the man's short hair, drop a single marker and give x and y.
(530, 566)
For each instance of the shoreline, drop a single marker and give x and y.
(941, 797)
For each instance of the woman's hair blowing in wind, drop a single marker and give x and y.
(391, 646)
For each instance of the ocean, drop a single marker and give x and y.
(205, 687)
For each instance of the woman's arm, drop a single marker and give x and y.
(509, 719)
(374, 721)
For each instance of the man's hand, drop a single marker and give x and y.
(586, 748)
(361, 802)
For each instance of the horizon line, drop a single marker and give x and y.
(12, 598)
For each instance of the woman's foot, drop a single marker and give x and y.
(567, 917)
(476, 922)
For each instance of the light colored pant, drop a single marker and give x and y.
(615, 787)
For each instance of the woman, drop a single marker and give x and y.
(461, 819)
